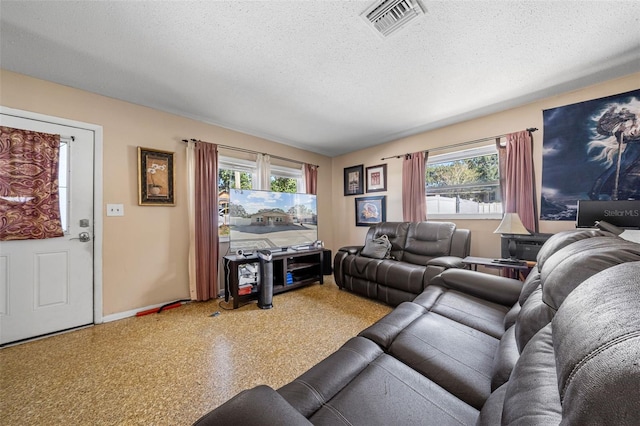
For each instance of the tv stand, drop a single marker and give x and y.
(291, 269)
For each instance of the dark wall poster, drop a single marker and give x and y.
(591, 151)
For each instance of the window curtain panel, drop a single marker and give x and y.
(310, 173)
(519, 183)
(414, 201)
(191, 212)
(262, 177)
(29, 199)
(203, 220)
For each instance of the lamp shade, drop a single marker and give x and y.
(511, 224)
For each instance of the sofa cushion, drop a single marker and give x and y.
(322, 382)
(426, 240)
(530, 284)
(389, 392)
(583, 259)
(582, 368)
(596, 339)
(385, 330)
(362, 267)
(395, 231)
(505, 359)
(491, 413)
(262, 399)
(532, 395)
(563, 239)
(393, 296)
(456, 357)
(474, 312)
(551, 246)
(401, 275)
(563, 272)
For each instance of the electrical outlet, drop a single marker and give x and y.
(115, 209)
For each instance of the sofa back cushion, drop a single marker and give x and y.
(582, 368)
(563, 239)
(596, 339)
(551, 246)
(461, 243)
(397, 233)
(563, 272)
(426, 240)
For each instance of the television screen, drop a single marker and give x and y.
(266, 220)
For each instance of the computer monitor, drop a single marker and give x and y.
(622, 213)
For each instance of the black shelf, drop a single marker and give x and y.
(297, 266)
(305, 266)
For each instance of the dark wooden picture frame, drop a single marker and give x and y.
(354, 180)
(156, 177)
(377, 178)
(371, 210)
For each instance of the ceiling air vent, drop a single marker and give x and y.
(388, 16)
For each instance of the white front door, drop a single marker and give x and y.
(47, 285)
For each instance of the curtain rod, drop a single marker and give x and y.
(440, 148)
(233, 148)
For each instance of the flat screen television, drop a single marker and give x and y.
(271, 220)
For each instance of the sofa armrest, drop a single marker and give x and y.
(447, 262)
(258, 406)
(351, 249)
(501, 290)
(341, 255)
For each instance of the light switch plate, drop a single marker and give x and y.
(115, 209)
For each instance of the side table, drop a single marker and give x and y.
(506, 270)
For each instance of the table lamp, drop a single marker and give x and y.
(511, 225)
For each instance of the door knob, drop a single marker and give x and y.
(83, 237)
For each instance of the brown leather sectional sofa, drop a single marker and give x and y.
(419, 252)
(473, 348)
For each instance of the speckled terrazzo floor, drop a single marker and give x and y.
(171, 368)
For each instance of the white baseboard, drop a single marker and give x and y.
(131, 313)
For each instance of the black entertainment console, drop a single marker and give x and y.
(291, 269)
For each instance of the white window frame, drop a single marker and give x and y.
(460, 155)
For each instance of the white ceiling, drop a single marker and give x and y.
(312, 74)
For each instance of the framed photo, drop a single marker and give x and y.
(354, 180)
(156, 178)
(371, 210)
(377, 178)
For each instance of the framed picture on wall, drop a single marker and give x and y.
(354, 180)
(371, 210)
(377, 178)
(156, 177)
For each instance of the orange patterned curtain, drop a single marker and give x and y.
(29, 206)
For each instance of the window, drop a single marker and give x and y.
(285, 179)
(232, 173)
(235, 173)
(464, 183)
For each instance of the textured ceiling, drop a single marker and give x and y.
(312, 74)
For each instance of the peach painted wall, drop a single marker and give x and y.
(145, 252)
(483, 242)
